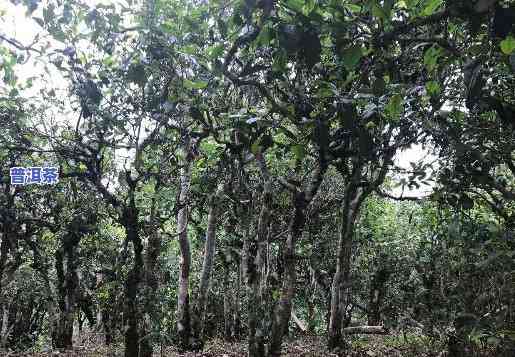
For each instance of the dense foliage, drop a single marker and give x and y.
(230, 169)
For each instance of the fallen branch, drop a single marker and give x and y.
(301, 325)
(375, 330)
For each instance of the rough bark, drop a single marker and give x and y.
(151, 279)
(207, 264)
(341, 280)
(66, 264)
(4, 327)
(228, 321)
(236, 332)
(283, 308)
(354, 195)
(256, 269)
(301, 200)
(132, 309)
(183, 299)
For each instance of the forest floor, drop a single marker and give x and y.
(307, 346)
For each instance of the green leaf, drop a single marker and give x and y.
(433, 88)
(370, 125)
(351, 57)
(308, 6)
(394, 108)
(325, 91)
(215, 51)
(296, 5)
(431, 57)
(299, 151)
(48, 13)
(430, 7)
(264, 38)
(39, 21)
(195, 84)
(353, 7)
(190, 49)
(508, 45)
(378, 11)
(255, 148)
(279, 61)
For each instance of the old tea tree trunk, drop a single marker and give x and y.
(135, 343)
(207, 265)
(66, 264)
(301, 200)
(341, 280)
(355, 193)
(184, 328)
(255, 264)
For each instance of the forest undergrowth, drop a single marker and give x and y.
(396, 344)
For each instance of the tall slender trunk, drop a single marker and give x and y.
(133, 310)
(183, 298)
(236, 331)
(249, 270)
(228, 304)
(255, 299)
(282, 311)
(340, 289)
(207, 264)
(66, 264)
(99, 277)
(151, 281)
(4, 327)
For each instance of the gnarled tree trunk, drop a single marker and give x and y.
(132, 309)
(341, 280)
(183, 299)
(282, 311)
(66, 264)
(301, 200)
(255, 270)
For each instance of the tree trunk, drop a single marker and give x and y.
(4, 329)
(341, 281)
(228, 321)
(282, 311)
(301, 200)
(183, 298)
(236, 332)
(132, 313)
(254, 283)
(151, 280)
(66, 261)
(207, 265)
